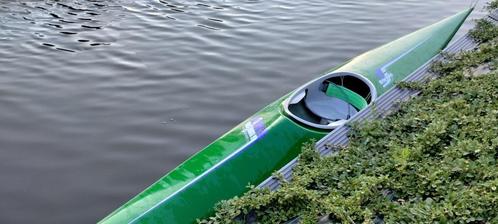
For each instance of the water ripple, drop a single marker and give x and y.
(52, 20)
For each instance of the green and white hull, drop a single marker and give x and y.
(250, 152)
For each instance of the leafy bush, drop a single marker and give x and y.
(434, 161)
(485, 31)
(492, 5)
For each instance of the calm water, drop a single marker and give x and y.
(98, 99)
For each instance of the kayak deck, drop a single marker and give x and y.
(385, 104)
(268, 140)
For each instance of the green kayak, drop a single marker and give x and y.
(268, 140)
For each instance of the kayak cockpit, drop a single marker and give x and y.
(331, 100)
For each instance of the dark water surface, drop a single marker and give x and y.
(98, 99)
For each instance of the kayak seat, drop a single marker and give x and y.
(334, 103)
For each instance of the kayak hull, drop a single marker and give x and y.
(250, 152)
(244, 156)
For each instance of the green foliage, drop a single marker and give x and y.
(434, 161)
(411, 85)
(492, 5)
(466, 61)
(484, 31)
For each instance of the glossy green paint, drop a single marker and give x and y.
(402, 56)
(241, 157)
(278, 145)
